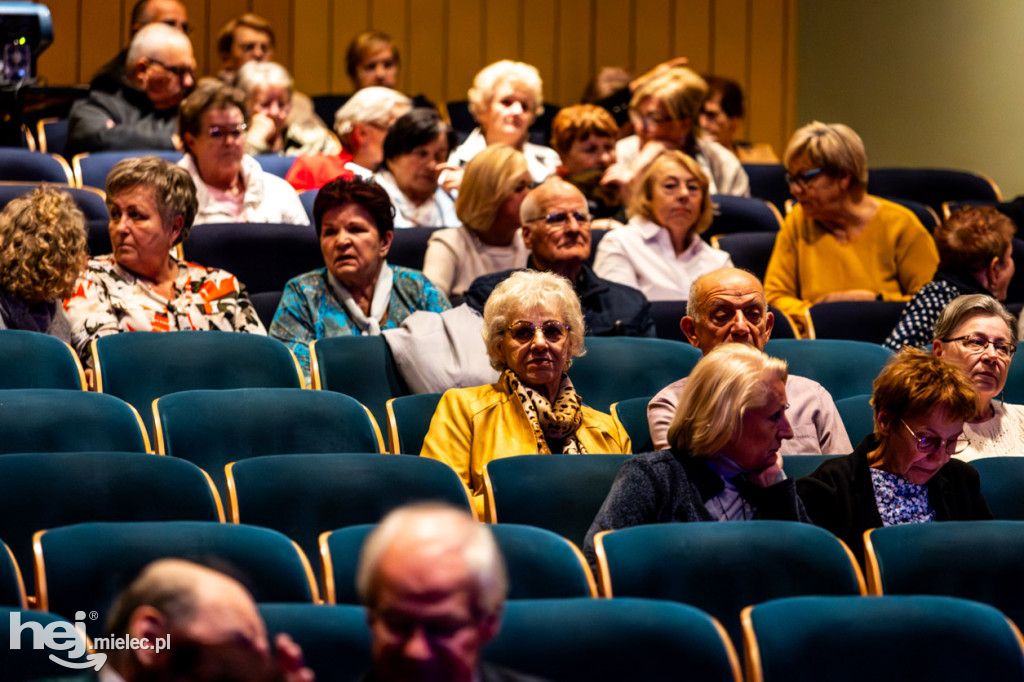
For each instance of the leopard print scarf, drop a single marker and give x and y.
(558, 421)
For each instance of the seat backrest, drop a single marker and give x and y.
(275, 164)
(327, 105)
(23, 165)
(39, 491)
(723, 567)
(928, 216)
(304, 495)
(844, 368)
(55, 420)
(857, 415)
(27, 662)
(12, 584)
(92, 168)
(213, 428)
(262, 256)
(851, 639)
(798, 466)
(307, 198)
(335, 640)
(266, 304)
(666, 316)
(84, 566)
(33, 360)
(561, 493)
(619, 367)
(977, 560)
(782, 328)
(409, 246)
(89, 199)
(870, 321)
(768, 182)
(1002, 480)
(52, 134)
(139, 367)
(359, 366)
(743, 214)
(631, 414)
(409, 420)
(748, 250)
(603, 640)
(1013, 391)
(931, 186)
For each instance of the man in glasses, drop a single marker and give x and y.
(556, 230)
(171, 12)
(143, 112)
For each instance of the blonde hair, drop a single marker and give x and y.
(832, 147)
(681, 90)
(492, 75)
(525, 290)
(490, 178)
(727, 382)
(42, 246)
(642, 203)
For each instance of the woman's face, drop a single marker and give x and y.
(508, 212)
(510, 115)
(910, 449)
(379, 68)
(819, 193)
(220, 145)
(249, 45)
(756, 446)
(652, 121)
(140, 238)
(987, 368)
(538, 356)
(676, 198)
(272, 101)
(593, 151)
(352, 248)
(416, 172)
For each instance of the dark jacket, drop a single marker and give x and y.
(136, 124)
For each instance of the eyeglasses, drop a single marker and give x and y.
(560, 219)
(803, 179)
(928, 444)
(649, 119)
(234, 132)
(526, 332)
(179, 71)
(183, 25)
(978, 344)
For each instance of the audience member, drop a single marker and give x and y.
(724, 463)
(556, 232)
(840, 243)
(213, 627)
(665, 112)
(142, 285)
(42, 254)
(415, 153)
(434, 583)
(493, 187)
(275, 126)
(976, 334)
(361, 124)
(607, 81)
(533, 326)
(721, 118)
(902, 473)
(230, 185)
(110, 76)
(660, 251)
(372, 59)
(975, 257)
(143, 111)
(357, 292)
(728, 306)
(506, 98)
(243, 39)
(584, 136)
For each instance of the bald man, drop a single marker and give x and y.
(728, 305)
(212, 627)
(559, 242)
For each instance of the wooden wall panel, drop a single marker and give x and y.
(99, 31)
(348, 19)
(391, 16)
(652, 29)
(427, 56)
(214, 16)
(730, 39)
(573, 42)
(59, 65)
(537, 43)
(612, 45)
(692, 34)
(465, 46)
(311, 52)
(502, 30)
(766, 86)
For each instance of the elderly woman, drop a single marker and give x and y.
(723, 464)
(721, 117)
(665, 112)
(533, 326)
(276, 127)
(839, 243)
(584, 136)
(372, 59)
(902, 473)
(230, 185)
(356, 292)
(977, 334)
(142, 286)
(490, 240)
(361, 125)
(506, 98)
(975, 257)
(415, 150)
(42, 254)
(660, 251)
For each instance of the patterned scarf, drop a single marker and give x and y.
(558, 421)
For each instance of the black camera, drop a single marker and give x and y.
(26, 29)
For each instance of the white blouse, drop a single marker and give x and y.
(1000, 436)
(457, 257)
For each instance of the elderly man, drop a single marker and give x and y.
(171, 12)
(434, 584)
(143, 113)
(210, 624)
(728, 305)
(556, 230)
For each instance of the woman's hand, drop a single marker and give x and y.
(450, 177)
(263, 130)
(768, 476)
(847, 295)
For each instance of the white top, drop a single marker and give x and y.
(640, 255)
(359, 171)
(267, 199)
(725, 172)
(456, 257)
(1000, 436)
(438, 212)
(542, 161)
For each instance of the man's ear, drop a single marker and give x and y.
(769, 324)
(490, 625)
(148, 623)
(689, 328)
(527, 238)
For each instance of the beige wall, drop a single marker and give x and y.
(445, 42)
(925, 82)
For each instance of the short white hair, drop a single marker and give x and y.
(271, 74)
(151, 38)
(374, 104)
(488, 79)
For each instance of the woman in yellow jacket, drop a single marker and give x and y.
(533, 326)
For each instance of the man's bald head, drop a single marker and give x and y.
(727, 305)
